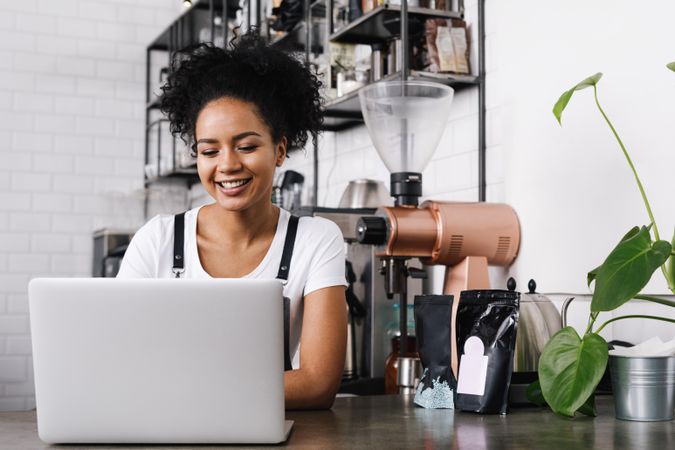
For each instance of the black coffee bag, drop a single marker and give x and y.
(433, 318)
(487, 321)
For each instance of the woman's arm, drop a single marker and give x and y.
(322, 351)
(142, 256)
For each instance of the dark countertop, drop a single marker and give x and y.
(395, 422)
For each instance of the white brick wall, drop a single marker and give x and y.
(72, 98)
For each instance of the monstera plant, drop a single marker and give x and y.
(571, 366)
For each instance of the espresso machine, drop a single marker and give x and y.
(405, 120)
(370, 313)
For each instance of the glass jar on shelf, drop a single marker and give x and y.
(340, 14)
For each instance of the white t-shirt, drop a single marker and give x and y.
(318, 259)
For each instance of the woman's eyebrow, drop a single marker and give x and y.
(236, 137)
(207, 141)
(245, 134)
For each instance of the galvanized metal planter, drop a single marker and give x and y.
(643, 387)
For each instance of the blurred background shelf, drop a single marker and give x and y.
(383, 23)
(181, 32)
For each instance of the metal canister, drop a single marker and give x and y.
(409, 373)
(395, 57)
(376, 64)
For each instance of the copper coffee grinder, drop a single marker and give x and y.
(405, 120)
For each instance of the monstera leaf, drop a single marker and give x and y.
(588, 408)
(535, 395)
(564, 99)
(570, 368)
(594, 273)
(627, 270)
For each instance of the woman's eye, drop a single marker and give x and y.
(209, 152)
(247, 148)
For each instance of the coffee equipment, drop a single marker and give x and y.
(364, 193)
(405, 120)
(368, 342)
(539, 320)
(361, 193)
(109, 248)
(287, 190)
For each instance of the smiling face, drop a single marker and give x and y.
(236, 155)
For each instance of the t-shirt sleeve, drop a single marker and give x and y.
(327, 266)
(141, 258)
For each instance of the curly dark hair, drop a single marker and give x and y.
(285, 91)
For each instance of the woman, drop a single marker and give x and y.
(242, 109)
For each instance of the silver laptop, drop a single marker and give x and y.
(158, 360)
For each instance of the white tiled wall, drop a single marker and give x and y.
(71, 147)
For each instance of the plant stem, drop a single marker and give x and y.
(637, 178)
(630, 163)
(660, 300)
(591, 321)
(633, 316)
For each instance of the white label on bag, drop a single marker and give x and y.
(472, 368)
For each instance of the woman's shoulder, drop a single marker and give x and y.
(141, 260)
(321, 247)
(312, 227)
(161, 227)
(157, 226)
(315, 230)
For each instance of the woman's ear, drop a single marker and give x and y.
(281, 151)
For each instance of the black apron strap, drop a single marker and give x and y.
(287, 254)
(178, 235)
(284, 268)
(287, 334)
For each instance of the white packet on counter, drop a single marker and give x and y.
(651, 347)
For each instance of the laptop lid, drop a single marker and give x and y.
(158, 360)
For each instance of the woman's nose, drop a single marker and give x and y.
(228, 161)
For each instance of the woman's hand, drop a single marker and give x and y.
(322, 351)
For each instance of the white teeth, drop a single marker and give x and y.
(232, 184)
